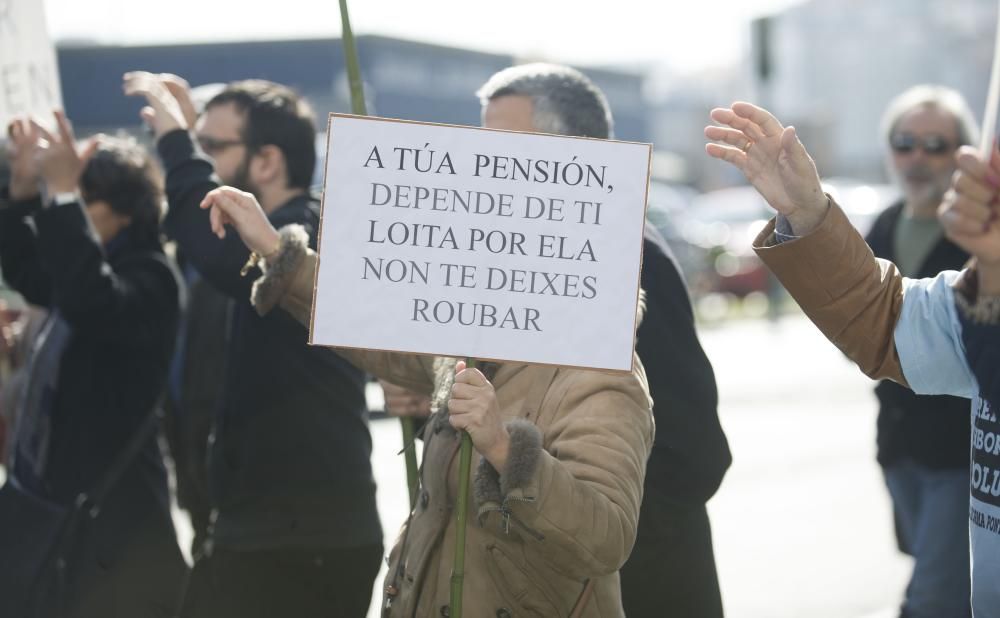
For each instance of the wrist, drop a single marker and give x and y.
(57, 187)
(20, 191)
(805, 219)
(499, 452)
(270, 245)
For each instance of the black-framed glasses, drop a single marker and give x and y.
(936, 145)
(212, 145)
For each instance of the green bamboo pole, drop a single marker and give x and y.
(461, 518)
(351, 59)
(410, 456)
(358, 107)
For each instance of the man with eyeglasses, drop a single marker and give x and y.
(923, 440)
(295, 530)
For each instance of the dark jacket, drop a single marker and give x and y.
(290, 462)
(122, 309)
(690, 452)
(933, 430)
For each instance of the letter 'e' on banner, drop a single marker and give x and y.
(29, 76)
(468, 242)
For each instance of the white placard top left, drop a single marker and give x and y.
(29, 75)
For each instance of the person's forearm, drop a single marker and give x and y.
(19, 259)
(854, 299)
(189, 179)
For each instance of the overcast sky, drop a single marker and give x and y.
(685, 36)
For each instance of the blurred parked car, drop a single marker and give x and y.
(724, 223)
(667, 210)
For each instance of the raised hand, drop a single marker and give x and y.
(24, 165)
(968, 213)
(164, 112)
(241, 210)
(473, 407)
(773, 160)
(180, 89)
(60, 162)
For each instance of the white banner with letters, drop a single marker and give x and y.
(469, 242)
(29, 76)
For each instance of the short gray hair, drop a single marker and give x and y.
(564, 101)
(938, 97)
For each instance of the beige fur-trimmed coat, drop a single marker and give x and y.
(563, 513)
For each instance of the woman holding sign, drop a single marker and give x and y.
(561, 459)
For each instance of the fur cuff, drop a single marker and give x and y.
(486, 485)
(490, 486)
(522, 461)
(268, 290)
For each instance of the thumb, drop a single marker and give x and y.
(459, 367)
(148, 115)
(89, 149)
(795, 152)
(218, 220)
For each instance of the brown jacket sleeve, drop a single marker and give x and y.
(589, 480)
(854, 298)
(287, 283)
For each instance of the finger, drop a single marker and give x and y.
(472, 377)
(65, 127)
(963, 207)
(759, 116)
(728, 154)
(136, 75)
(227, 203)
(798, 158)
(135, 82)
(460, 422)
(729, 136)
(42, 131)
(727, 117)
(967, 161)
(459, 406)
(180, 89)
(217, 219)
(955, 222)
(465, 391)
(224, 191)
(972, 188)
(89, 150)
(174, 82)
(21, 134)
(148, 115)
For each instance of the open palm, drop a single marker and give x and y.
(771, 157)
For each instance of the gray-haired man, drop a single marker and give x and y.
(923, 440)
(672, 566)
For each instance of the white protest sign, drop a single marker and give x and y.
(460, 241)
(29, 76)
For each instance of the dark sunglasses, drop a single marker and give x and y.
(211, 145)
(904, 143)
